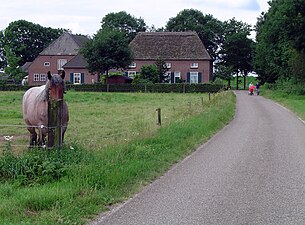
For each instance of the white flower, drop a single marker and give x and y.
(8, 138)
(71, 147)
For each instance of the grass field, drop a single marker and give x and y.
(113, 148)
(101, 119)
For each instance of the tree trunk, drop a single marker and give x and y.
(229, 84)
(237, 80)
(106, 77)
(245, 81)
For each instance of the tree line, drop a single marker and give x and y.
(280, 42)
(277, 53)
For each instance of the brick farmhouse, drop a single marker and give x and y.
(185, 55)
(62, 54)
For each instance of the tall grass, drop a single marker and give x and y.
(106, 174)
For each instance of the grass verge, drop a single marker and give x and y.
(291, 101)
(102, 178)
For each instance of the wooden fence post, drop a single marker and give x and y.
(159, 116)
(55, 109)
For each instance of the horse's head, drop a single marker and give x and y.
(56, 85)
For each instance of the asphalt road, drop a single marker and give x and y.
(252, 172)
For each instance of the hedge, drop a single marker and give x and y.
(179, 88)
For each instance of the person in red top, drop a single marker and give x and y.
(251, 89)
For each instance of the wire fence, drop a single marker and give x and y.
(148, 123)
(4, 139)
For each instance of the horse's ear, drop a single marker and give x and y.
(49, 75)
(63, 74)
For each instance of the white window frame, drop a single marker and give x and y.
(36, 76)
(133, 65)
(42, 77)
(194, 65)
(168, 65)
(194, 77)
(77, 78)
(61, 63)
(177, 75)
(46, 64)
(132, 74)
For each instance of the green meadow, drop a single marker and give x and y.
(113, 148)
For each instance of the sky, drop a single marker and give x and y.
(85, 16)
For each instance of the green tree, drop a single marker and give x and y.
(237, 48)
(3, 61)
(14, 70)
(280, 41)
(209, 29)
(107, 50)
(225, 73)
(26, 40)
(162, 69)
(149, 74)
(125, 23)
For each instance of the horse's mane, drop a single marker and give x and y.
(44, 94)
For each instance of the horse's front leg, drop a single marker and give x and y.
(33, 136)
(42, 136)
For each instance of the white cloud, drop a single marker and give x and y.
(236, 4)
(85, 16)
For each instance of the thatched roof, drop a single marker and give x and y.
(168, 46)
(66, 44)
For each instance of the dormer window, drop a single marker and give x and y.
(133, 65)
(194, 65)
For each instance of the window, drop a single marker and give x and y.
(46, 63)
(193, 77)
(168, 65)
(131, 74)
(36, 77)
(133, 65)
(177, 77)
(77, 78)
(194, 65)
(42, 77)
(60, 63)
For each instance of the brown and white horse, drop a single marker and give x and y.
(35, 107)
